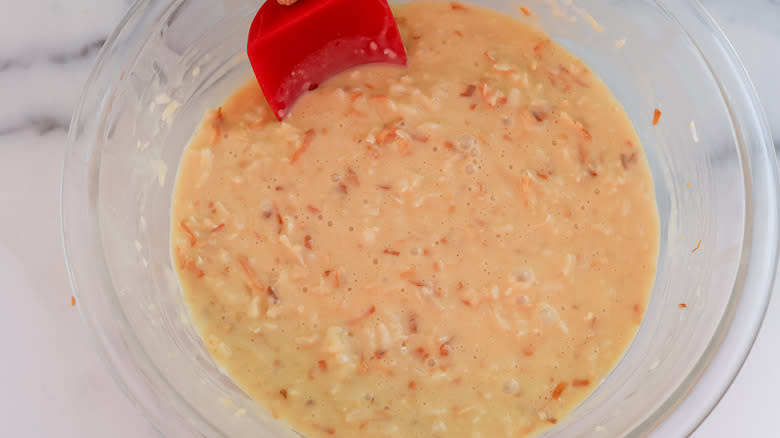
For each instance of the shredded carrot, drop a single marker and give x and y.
(334, 278)
(540, 47)
(698, 245)
(272, 295)
(626, 159)
(422, 353)
(469, 91)
(323, 365)
(582, 154)
(352, 177)
(186, 228)
(412, 385)
(307, 139)
(656, 116)
(556, 394)
(391, 252)
(250, 273)
(355, 95)
(529, 350)
(458, 7)
(538, 115)
(218, 227)
(371, 310)
(444, 349)
(388, 132)
(409, 275)
(682, 306)
(307, 241)
(525, 11)
(558, 82)
(544, 173)
(193, 267)
(580, 382)
(216, 125)
(585, 134)
(72, 301)
(571, 76)
(413, 323)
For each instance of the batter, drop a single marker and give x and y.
(461, 248)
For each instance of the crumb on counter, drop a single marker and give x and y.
(656, 116)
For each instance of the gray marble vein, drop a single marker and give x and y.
(39, 125)
(87, 51)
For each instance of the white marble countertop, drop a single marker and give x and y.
(54, 384)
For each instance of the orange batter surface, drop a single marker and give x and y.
(461, 248)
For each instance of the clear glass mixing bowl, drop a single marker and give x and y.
(170, 60)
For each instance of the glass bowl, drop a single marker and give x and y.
(711, 157)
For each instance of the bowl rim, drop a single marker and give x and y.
(699, 392)
(712, 376)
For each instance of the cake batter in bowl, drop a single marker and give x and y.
(710, 156)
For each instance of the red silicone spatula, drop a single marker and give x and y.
(294, 48)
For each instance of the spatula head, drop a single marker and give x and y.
(295, 48)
